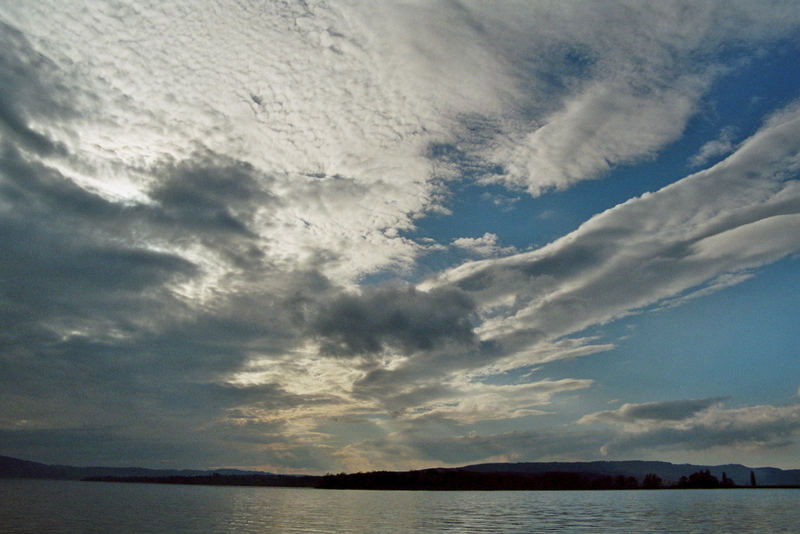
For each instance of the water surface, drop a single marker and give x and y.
(70, 506)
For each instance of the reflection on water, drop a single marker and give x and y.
(67, 506)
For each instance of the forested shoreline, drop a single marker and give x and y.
(444, 480)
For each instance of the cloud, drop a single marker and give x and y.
(474, 402)
(699, 425)
(340, 139)
(404, 318)
(652, 411)
(414, 354)
(737, 215)
(204, 194)
(616, 96)
(485, 245)
(607, 124)
(105, 342)
(28, 79)
(721, 146)
(426, 446)
(188, 225)
(352, 107)
(64, 271)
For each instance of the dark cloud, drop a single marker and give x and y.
(101, 359)
(94, 332)
(564, 263)
(64, 260)
(156, 393)
(407, 319)
(52, 265)
(74, 256)
(210, 193)
(40, 192)
(30, 89)
(87, 341)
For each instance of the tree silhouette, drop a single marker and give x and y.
(726, 482)
(702, 479)
(651, 481)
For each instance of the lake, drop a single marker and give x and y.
(69, 506)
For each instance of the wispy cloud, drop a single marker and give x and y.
(721, 146)
(737, 215)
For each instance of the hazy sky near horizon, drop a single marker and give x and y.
(340, 236)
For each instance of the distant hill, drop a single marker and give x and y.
(528, 475)
(670, 473)
(16, 468)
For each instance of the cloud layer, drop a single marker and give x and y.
(695, 233)
(699, 424)
(207, 216)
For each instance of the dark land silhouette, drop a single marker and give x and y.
(456, 479)
(608, 475)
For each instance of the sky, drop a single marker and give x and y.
(324, 236)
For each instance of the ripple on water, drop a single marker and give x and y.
(68, 506)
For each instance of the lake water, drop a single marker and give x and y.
(68, 506)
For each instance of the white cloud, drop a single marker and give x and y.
(604, 125)
(620, 95)
(305, 95)
(721, 146)
(487, 245)
(698, 232)
(471, 402)
(339, 102)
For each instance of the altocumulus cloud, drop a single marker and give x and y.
(208, 245)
